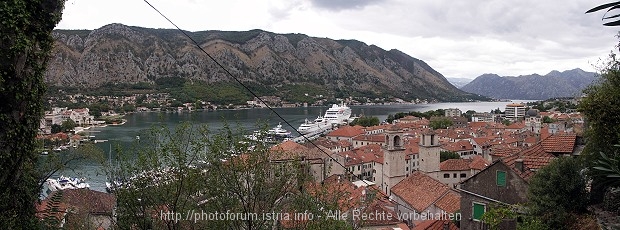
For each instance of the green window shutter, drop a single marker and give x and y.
(478, 211)
(501, 178)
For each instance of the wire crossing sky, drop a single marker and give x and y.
(457, 38)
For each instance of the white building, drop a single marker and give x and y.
(453, 112)
(515, 111)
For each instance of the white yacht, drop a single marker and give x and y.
(278, 131)
(50, 185)
(337, 114)
(274, 135)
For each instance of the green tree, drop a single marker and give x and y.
(56, 128)
(25, 46)
(469, 114)
(445, 155)
(599, 108)
(440, 123)
(558, 190)
(189, 168)
(366, 121)
(547, 119)
(67, 125)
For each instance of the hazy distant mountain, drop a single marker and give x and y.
(532, 87)
(459, 82)
(264, 60)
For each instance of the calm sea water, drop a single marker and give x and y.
(138, 123)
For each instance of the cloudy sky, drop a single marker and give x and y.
(457, 38)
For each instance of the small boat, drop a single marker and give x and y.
(278, 131)
(274, 135)
(61, 183)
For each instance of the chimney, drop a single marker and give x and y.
(519, 164)
(446, 225)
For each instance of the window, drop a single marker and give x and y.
(501, 178)
(454, 175)
(463, 175)
(479, 209)
(446, 175)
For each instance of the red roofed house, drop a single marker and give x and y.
(319, 164)
(346, 133)
(420, 197)
(363, 162)
(454, 171)
(436, 225)
(463, 147)
(497, 184)
(84, 207)
(366, 139)
(505, 181)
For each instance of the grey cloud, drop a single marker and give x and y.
(337, 5)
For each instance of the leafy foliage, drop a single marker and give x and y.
(190, 170)
(440, 123)
(24, 51)
(613, 6)
(427, 114)
(445, 155)
(496, 215)
(366, 121)
(607, 170)
(557, 190)
(600, 110)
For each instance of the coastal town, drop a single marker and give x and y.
(403, 162)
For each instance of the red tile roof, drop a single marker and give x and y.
(371, 138)
(478, 163)
(533, 159)
(560, 143)
(504, 150)
(364, 154)
(89, 201)
(347, 131)
(458, 146)
(436, 225)
(455, 165)
(449, 202)
(288, 146)
(516, 125)
(419, 191)
(337, 188)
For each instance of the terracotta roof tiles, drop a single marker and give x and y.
(560, 143)
(347, 131)
(436, 225)
(450, 202)
(419, 190)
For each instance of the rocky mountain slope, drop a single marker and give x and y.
(124, 54)
(569, 83)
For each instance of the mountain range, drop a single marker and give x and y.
(118, 53)
(459, 81)
(569, 83)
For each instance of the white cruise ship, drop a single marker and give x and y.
(337, 114)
